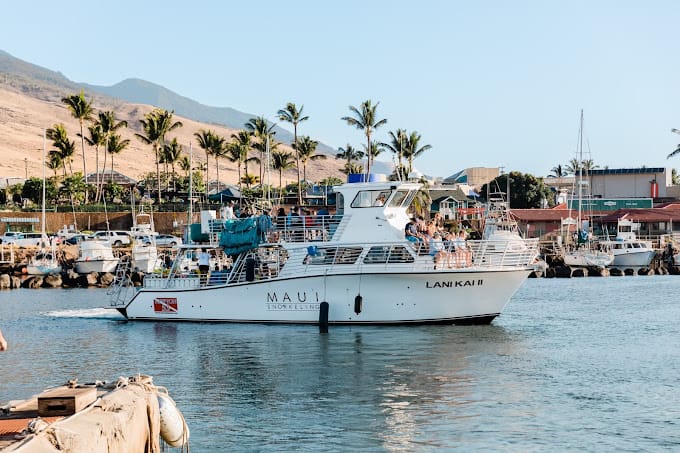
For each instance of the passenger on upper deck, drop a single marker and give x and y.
(227, 212)
(411, 231)
(437, 248)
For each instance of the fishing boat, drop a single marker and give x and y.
(45, 261)
(629, 251)
(95, 256)
(353, 266)
(583, 252)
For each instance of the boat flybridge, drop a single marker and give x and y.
(355, 264)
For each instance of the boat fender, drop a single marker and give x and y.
(174, 429)
(323, 317)
(358, 302)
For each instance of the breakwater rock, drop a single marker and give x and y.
(66, 279)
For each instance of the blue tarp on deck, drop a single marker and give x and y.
(239, 235)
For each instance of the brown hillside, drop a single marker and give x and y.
(25, 112)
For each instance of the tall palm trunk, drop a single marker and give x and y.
(158, 171)
(217, 168)
(82, 148)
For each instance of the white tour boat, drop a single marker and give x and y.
(352, 267)
(95, 256)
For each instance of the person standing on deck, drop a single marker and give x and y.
(204, 265)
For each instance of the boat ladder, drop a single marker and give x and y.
(122, 287)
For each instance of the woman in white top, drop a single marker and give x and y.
(437, 248)
(463, 253)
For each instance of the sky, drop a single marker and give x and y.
(485, 83)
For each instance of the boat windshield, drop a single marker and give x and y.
(371, 198)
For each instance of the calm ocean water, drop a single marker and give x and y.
(581, 365)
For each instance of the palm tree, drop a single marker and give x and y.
(115, 145)
(171, 154)
(219, 149)
(589, 164)
(291, 114)
(281, 161)
(572, 167)
(397, 146)
(352, 168)
(206, 141)
(249, 179)
(413, 149)
(306, 149)
(82, 110)
(558, 171)
(65, 147)
(237, 151)
(260, 129)
(677, 149)
(54, 162)
(155, 125)
(107, 121)
(74, 186)
(185, 164)
(365, 118)
(349, 153)
(96, 139)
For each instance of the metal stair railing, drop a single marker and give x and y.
(122, 286)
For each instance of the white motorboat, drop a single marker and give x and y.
(144, 252)
(95, 256)
(355, 263)
(44, 262)
(629, 251)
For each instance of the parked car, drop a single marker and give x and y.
(115, 238)
(9, 236)
(19, 239)
(168, 240)
(75, 239)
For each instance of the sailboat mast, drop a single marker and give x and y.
(580, 168)
(191, 188)
(43, 183)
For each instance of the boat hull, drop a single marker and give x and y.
(106, 265)
(588, 259)
(43, 269)
(379, 298)
(633, 259)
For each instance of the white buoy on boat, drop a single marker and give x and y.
(174, 429)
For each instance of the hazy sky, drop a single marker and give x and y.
(486, 83)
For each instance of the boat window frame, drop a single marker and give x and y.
(371, 198)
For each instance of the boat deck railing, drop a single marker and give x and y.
(272, 261)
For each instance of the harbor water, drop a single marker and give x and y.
(586, 364)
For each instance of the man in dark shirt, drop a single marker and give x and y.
(411, 231)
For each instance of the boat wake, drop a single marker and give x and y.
(90, 313)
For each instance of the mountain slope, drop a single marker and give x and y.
(31, 101)
(142, 92)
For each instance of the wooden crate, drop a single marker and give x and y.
(65, 401)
